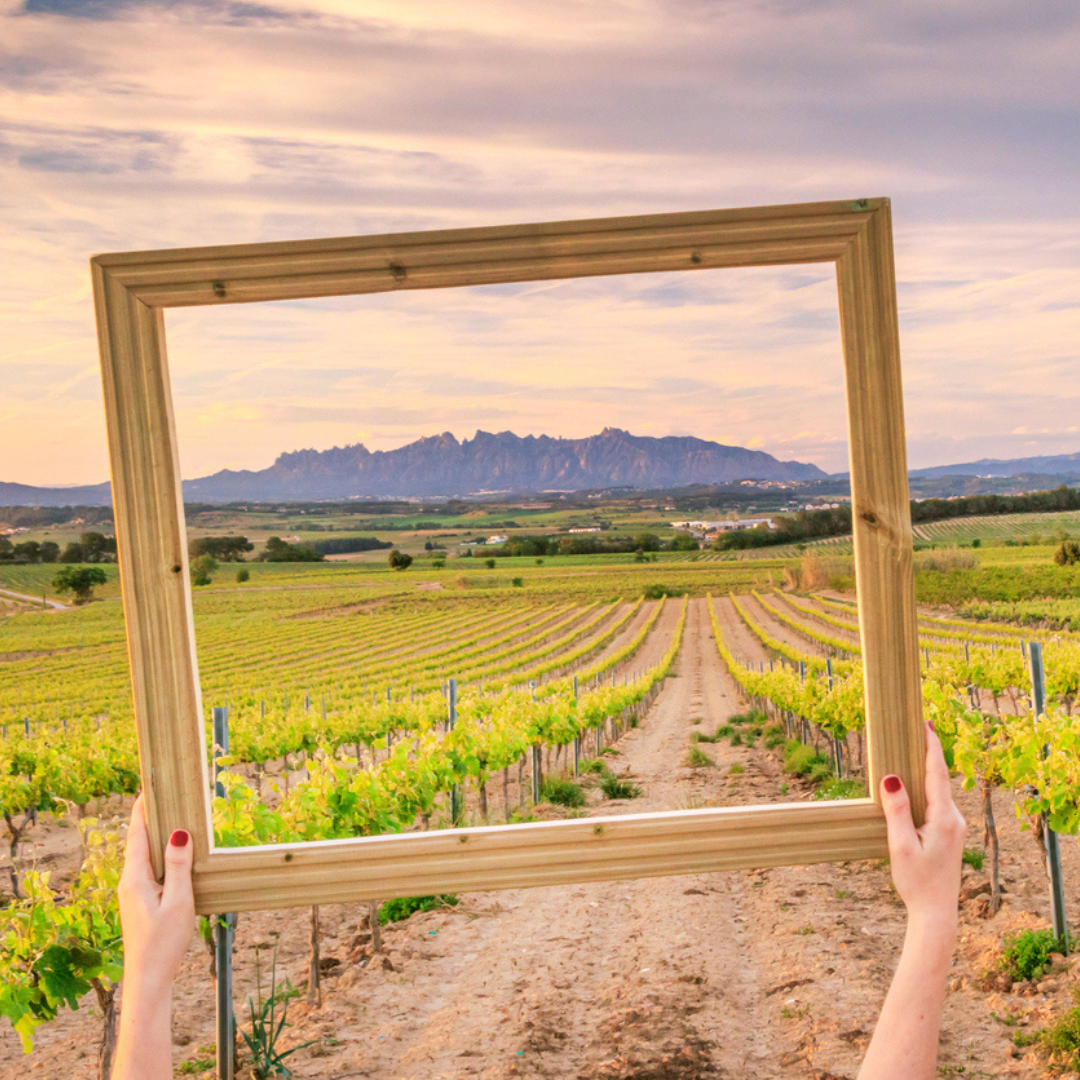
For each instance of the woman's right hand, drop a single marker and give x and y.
(157, 919)
(926, 861)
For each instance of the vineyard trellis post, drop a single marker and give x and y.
(577, 738)
(836, 741)
(451, 720)
(223, 931)
(1053, 851)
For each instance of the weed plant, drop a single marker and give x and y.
(1027, 955)
(267, 1059)
(562, 792)
(696, 758)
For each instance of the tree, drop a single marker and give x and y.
(1068, 554)
(647, 542)
(398, 560)
(684, 542)
(242, 575)
(30, 550)
(225, 548)
(81, 582)
(94, 545)
(278, 550)
(201, 569)
(50, 551)
(73, 553)
(6, 548)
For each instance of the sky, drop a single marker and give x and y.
(167, 123)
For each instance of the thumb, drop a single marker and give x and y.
(897, 807)
(179, 855)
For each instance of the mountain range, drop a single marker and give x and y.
(440, 465)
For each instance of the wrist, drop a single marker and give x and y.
(932, 933)
(146, 994)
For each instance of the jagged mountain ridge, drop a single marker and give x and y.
(441, 465)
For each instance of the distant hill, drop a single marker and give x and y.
(25, 495)
(1066, 466)
(441, 465)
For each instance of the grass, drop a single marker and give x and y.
(805, 761)
(697, 759)
(1062, 1038)
(404, 906)
(562, 792)
(840, 789)
(736, 769)
(973, 857)
(773, 736)
(614, 788)
(196, 1065)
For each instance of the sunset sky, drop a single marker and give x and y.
(133, 125)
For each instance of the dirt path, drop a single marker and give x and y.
(596, 980)
(53, 605)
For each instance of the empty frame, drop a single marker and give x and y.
(131, 291)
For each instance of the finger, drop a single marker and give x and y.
(179, 856)
(897, 807)
(938, 790)
(137, 849)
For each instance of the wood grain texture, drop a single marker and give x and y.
(881, 510)
(152, 553)
(130, 291)
(548, 853)
(350, 265)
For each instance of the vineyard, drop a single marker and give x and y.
(364, 703)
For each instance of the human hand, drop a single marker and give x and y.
(157, 920)
(926, 861)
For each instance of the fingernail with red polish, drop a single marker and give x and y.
(179, 838)
(892, 784)
(930, 725)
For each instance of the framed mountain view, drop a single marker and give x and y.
(132, 291)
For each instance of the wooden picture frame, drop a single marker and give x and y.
(131, 291)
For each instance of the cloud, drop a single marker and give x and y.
(128, 124)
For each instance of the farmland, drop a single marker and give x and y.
(334, 677)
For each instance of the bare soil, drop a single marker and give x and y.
(774, 973)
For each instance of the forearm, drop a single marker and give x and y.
(905, 1042)
(144, 1047)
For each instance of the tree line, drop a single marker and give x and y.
(815, 524)
(589, 544)
(91, 547)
